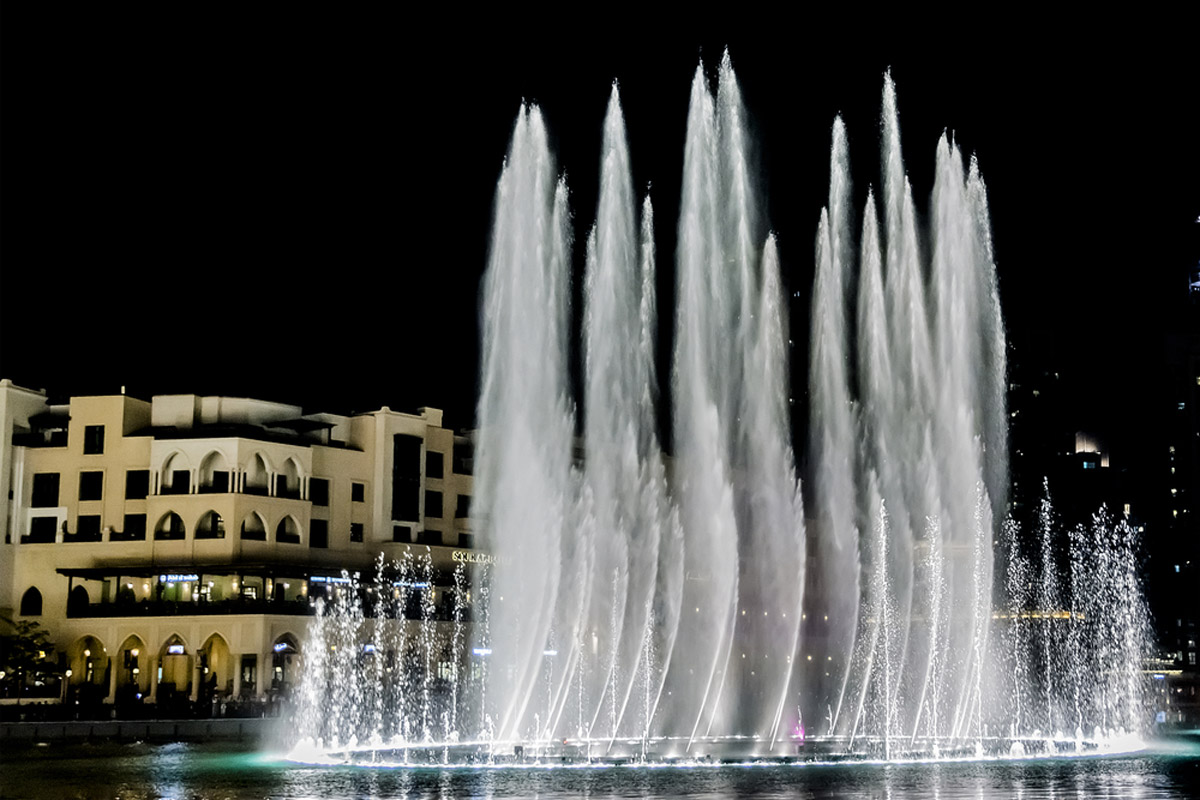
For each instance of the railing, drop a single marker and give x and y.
(443, 612)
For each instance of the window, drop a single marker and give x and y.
(88, 528)
(45, 490)
(433, 504)
(91, 486)
(406, 477)
(464, 458)
(31, 602)
(211, 526)
(358, 492)
(319, 533)
(134, 529)
(462, 509)
(434, 464)
(356, 531)
(137, 484)
(401, 533)
(429, 536)
(93, 440)
(42, 530)
(1192, 658)
(318, 491)
(170, 527)
(466, 540)
(253, 528)
(287, 531)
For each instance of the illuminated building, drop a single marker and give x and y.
(171, 547)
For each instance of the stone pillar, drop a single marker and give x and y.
(112, 680)
(194, 694)
(236, 658)
(265, 673)
(152, 663)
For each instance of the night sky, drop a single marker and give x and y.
(298, 208)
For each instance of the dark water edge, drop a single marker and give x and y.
(141, 771)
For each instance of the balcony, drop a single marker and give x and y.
(442, 612)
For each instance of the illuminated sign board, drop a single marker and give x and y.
(281, 646)
(178, 577)
(472, 557)
(175, 650)
(324, 579)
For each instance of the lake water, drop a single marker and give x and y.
(136, 771)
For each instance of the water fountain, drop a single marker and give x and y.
(651, 608)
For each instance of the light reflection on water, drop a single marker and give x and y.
(140, 772)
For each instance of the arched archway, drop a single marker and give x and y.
(254, 527)
(31, 602)
(287, 531)
(78, 601)
(170, 527)
(175, 477)
(287, 482)
(216, 669)
(285, 662)
(90, 671)
(175, 671)
(258, 475)
(131, 662)
(213, 477)
(210, 526)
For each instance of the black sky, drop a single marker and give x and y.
(298, 208)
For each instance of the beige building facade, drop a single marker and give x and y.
(173, 548)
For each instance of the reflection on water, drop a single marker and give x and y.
(190, 771)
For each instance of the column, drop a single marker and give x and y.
(237, 675)
(152, 663)
(194, 694)
(112, 680)
(265, 673)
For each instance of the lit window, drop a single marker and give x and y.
(1176, 568)
(1173, 491)
(1182, 406)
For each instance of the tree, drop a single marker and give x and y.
(23, 655)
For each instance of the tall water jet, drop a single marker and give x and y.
(831, 445)
(923, 406)
(637, 606)
(524, 483)
(624, 467)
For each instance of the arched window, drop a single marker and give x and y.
(170, 527)
(287, 482)
(214, 474)
(287, 531)
(254, 528)
(31, 602)
(211, 526)
(257, 475)
(176, 476)
(78, 601)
